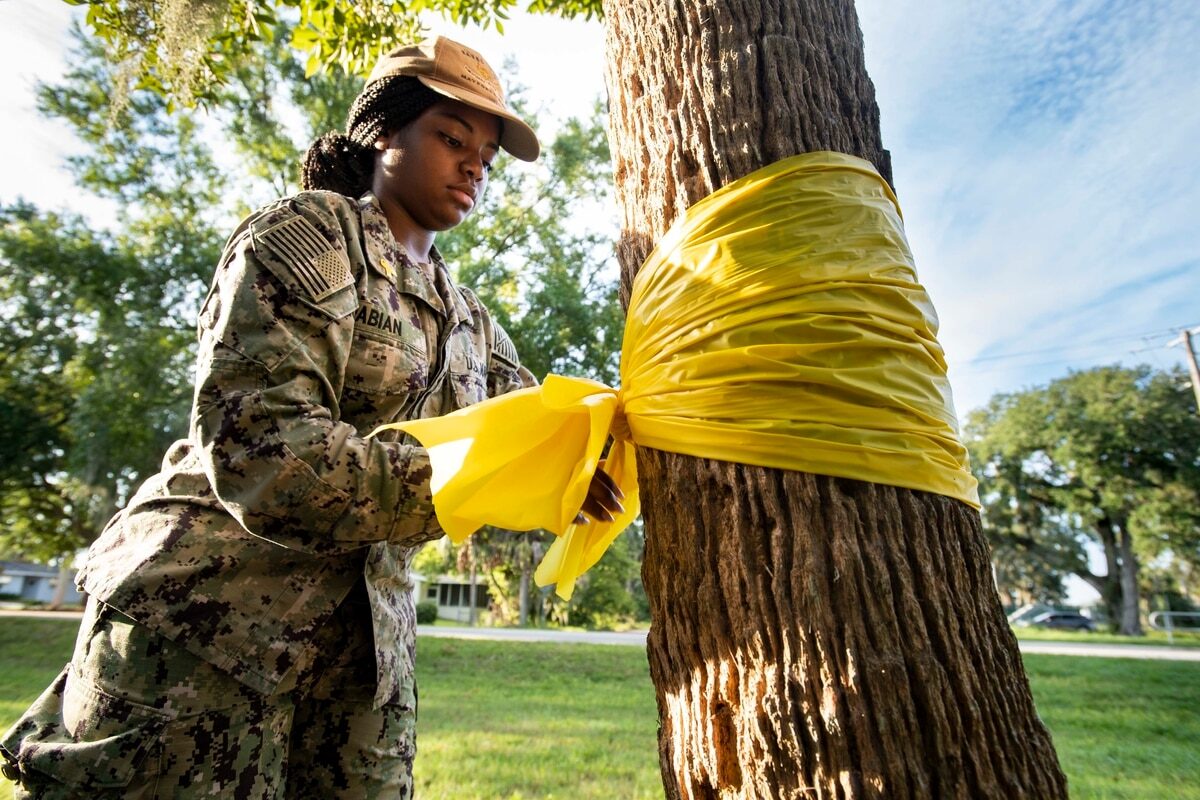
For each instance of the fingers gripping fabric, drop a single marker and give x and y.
(779, 323)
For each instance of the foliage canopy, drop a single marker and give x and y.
(187, 49)
(1109, 455)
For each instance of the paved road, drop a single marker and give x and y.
(638, 639)
(1163, 652)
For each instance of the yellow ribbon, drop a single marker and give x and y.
(779, 323)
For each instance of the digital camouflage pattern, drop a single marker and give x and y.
(317, 329)
(261, 520)
(136, 716)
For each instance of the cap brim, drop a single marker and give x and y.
(516, 137)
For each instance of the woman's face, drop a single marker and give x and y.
(434, 170)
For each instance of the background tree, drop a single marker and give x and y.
(609, 597)
(537, 257)
(1033, 552)
(95, 353)
(1109, 455)
(187, 49)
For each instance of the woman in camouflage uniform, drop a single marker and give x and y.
(250, 630)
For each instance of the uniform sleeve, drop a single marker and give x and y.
(275, 336)
(505, 372)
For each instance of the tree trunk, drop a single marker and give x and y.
(526, 566)
(60, 586)
(1131, 618)
(471, 591)
(1110, 592)
(811, 636)
(1183, 575)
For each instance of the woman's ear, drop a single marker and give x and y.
(382, 142)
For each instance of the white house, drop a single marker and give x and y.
(452, 595)
(34, 583)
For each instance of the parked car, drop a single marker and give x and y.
(1063, 620)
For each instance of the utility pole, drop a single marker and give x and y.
(1185, 338)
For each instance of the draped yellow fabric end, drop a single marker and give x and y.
(779, 323)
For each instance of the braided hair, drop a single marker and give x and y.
(345, 162)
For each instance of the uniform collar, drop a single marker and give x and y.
(390, 260)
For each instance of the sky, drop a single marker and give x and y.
(1045, 156)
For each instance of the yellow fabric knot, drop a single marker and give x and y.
(778, 323)
(524, 461)
(620, 426)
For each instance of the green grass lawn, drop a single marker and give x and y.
(1123, 728)
(501, 721)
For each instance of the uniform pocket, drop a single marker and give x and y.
(469, 389)
(78, 737)
(381, 365)
(467, 370)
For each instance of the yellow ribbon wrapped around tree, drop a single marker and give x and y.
(779, 323)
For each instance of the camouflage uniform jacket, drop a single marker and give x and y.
(317, 329)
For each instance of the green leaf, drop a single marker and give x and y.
(303, 38)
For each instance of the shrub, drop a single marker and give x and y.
(603, 603)
(426, 612)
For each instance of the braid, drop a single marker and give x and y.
(338, 164)
(344, 163)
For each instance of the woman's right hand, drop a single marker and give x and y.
(603, 501)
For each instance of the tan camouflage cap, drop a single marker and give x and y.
(457, 71)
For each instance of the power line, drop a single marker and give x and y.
(1076, 346)
(1072, 352)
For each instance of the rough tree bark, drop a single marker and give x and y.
(812, 636)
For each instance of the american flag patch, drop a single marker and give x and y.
(503, 346)
(317, 266)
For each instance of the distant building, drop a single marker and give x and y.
(452, 595)
(34, 583)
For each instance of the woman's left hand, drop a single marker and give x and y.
(603, 501)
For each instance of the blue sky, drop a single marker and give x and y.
(1045, 155)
